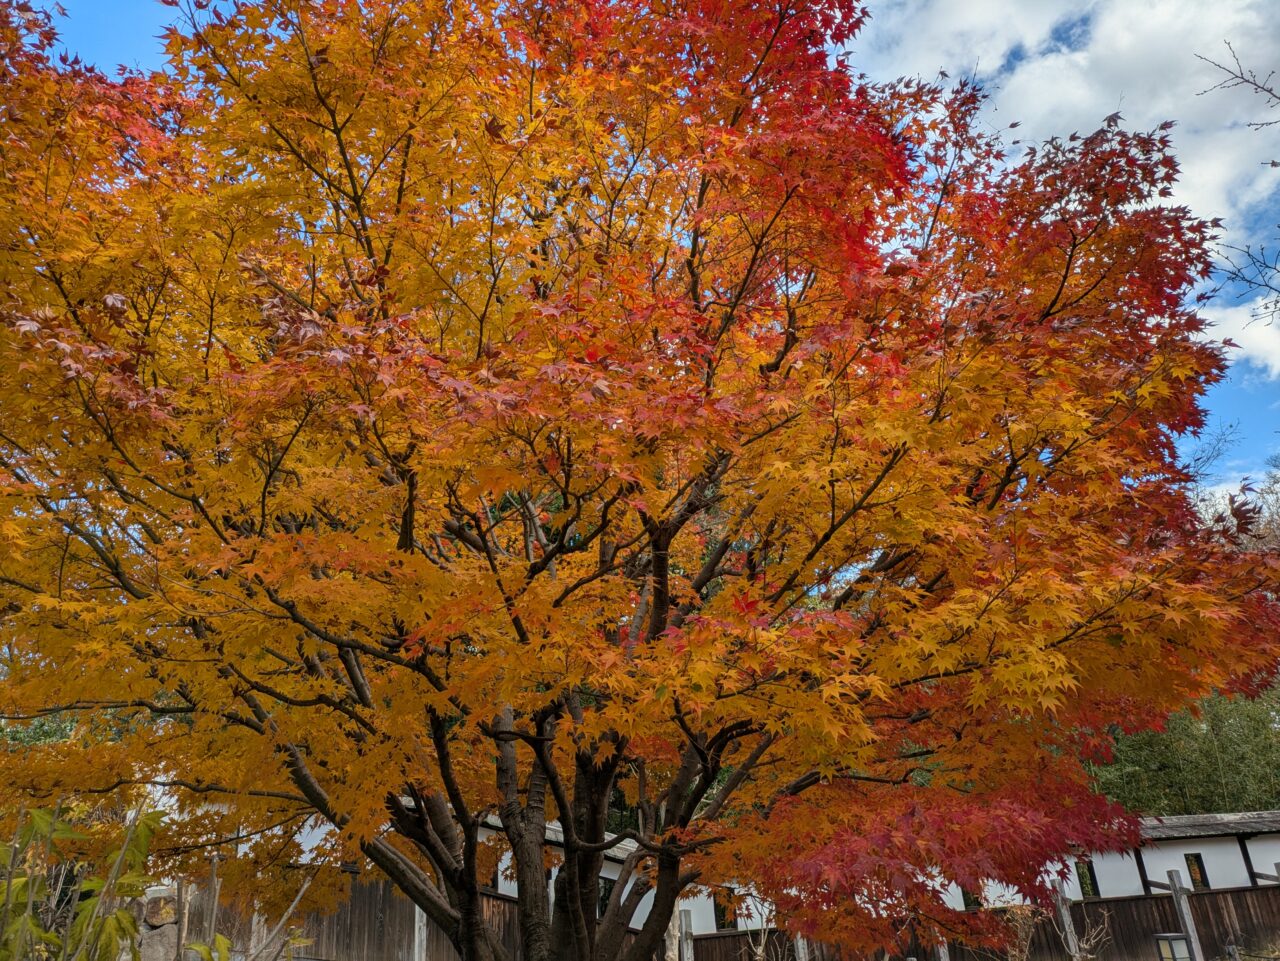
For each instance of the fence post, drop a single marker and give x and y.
(802, 948)
(671, 939)
(257, 933)
(419, 934)
(1066, 923)
(181, 920)
(943, 951)
(1182, 905)
(686, 936)
(215, 884)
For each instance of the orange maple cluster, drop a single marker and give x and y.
(424, 421)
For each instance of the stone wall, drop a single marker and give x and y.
(159, 925)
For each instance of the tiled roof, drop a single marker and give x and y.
(1211, 825)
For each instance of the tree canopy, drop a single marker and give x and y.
(1222, 756)
(422, 417)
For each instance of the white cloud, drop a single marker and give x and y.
(1258, 340)
(919, 37)
(1058, 66)
(1141, 59)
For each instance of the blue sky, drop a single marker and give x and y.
(1055, 66)
(111, 32)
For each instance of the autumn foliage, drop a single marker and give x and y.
(418, 418)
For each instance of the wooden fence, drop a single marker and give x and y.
(744, 946)
(1249, 918)
(1246, 918)
(376, 923)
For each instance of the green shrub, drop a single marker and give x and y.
(56, 906)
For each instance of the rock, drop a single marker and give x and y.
(159, 944)
(160, 910)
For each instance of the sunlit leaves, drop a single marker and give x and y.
(606, 396)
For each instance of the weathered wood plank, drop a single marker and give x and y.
(376, 923)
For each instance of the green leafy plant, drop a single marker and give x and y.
(55, 906)
(218, 950)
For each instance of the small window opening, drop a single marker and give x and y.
(726, 915)
(1195, 870)
(1088, 879)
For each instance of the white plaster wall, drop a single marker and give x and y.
(700, 906)
(642, 910)
(1117, 875)
(993, 895)
(1000, 896)
(613, 869)
(702, 913)
(1265, 852)
(1223, 862)
(952, 898)
(1070, 883)
(754, 912)
(506, 885)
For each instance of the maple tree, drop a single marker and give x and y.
(425, 420)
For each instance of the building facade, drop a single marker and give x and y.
(1210, 851)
